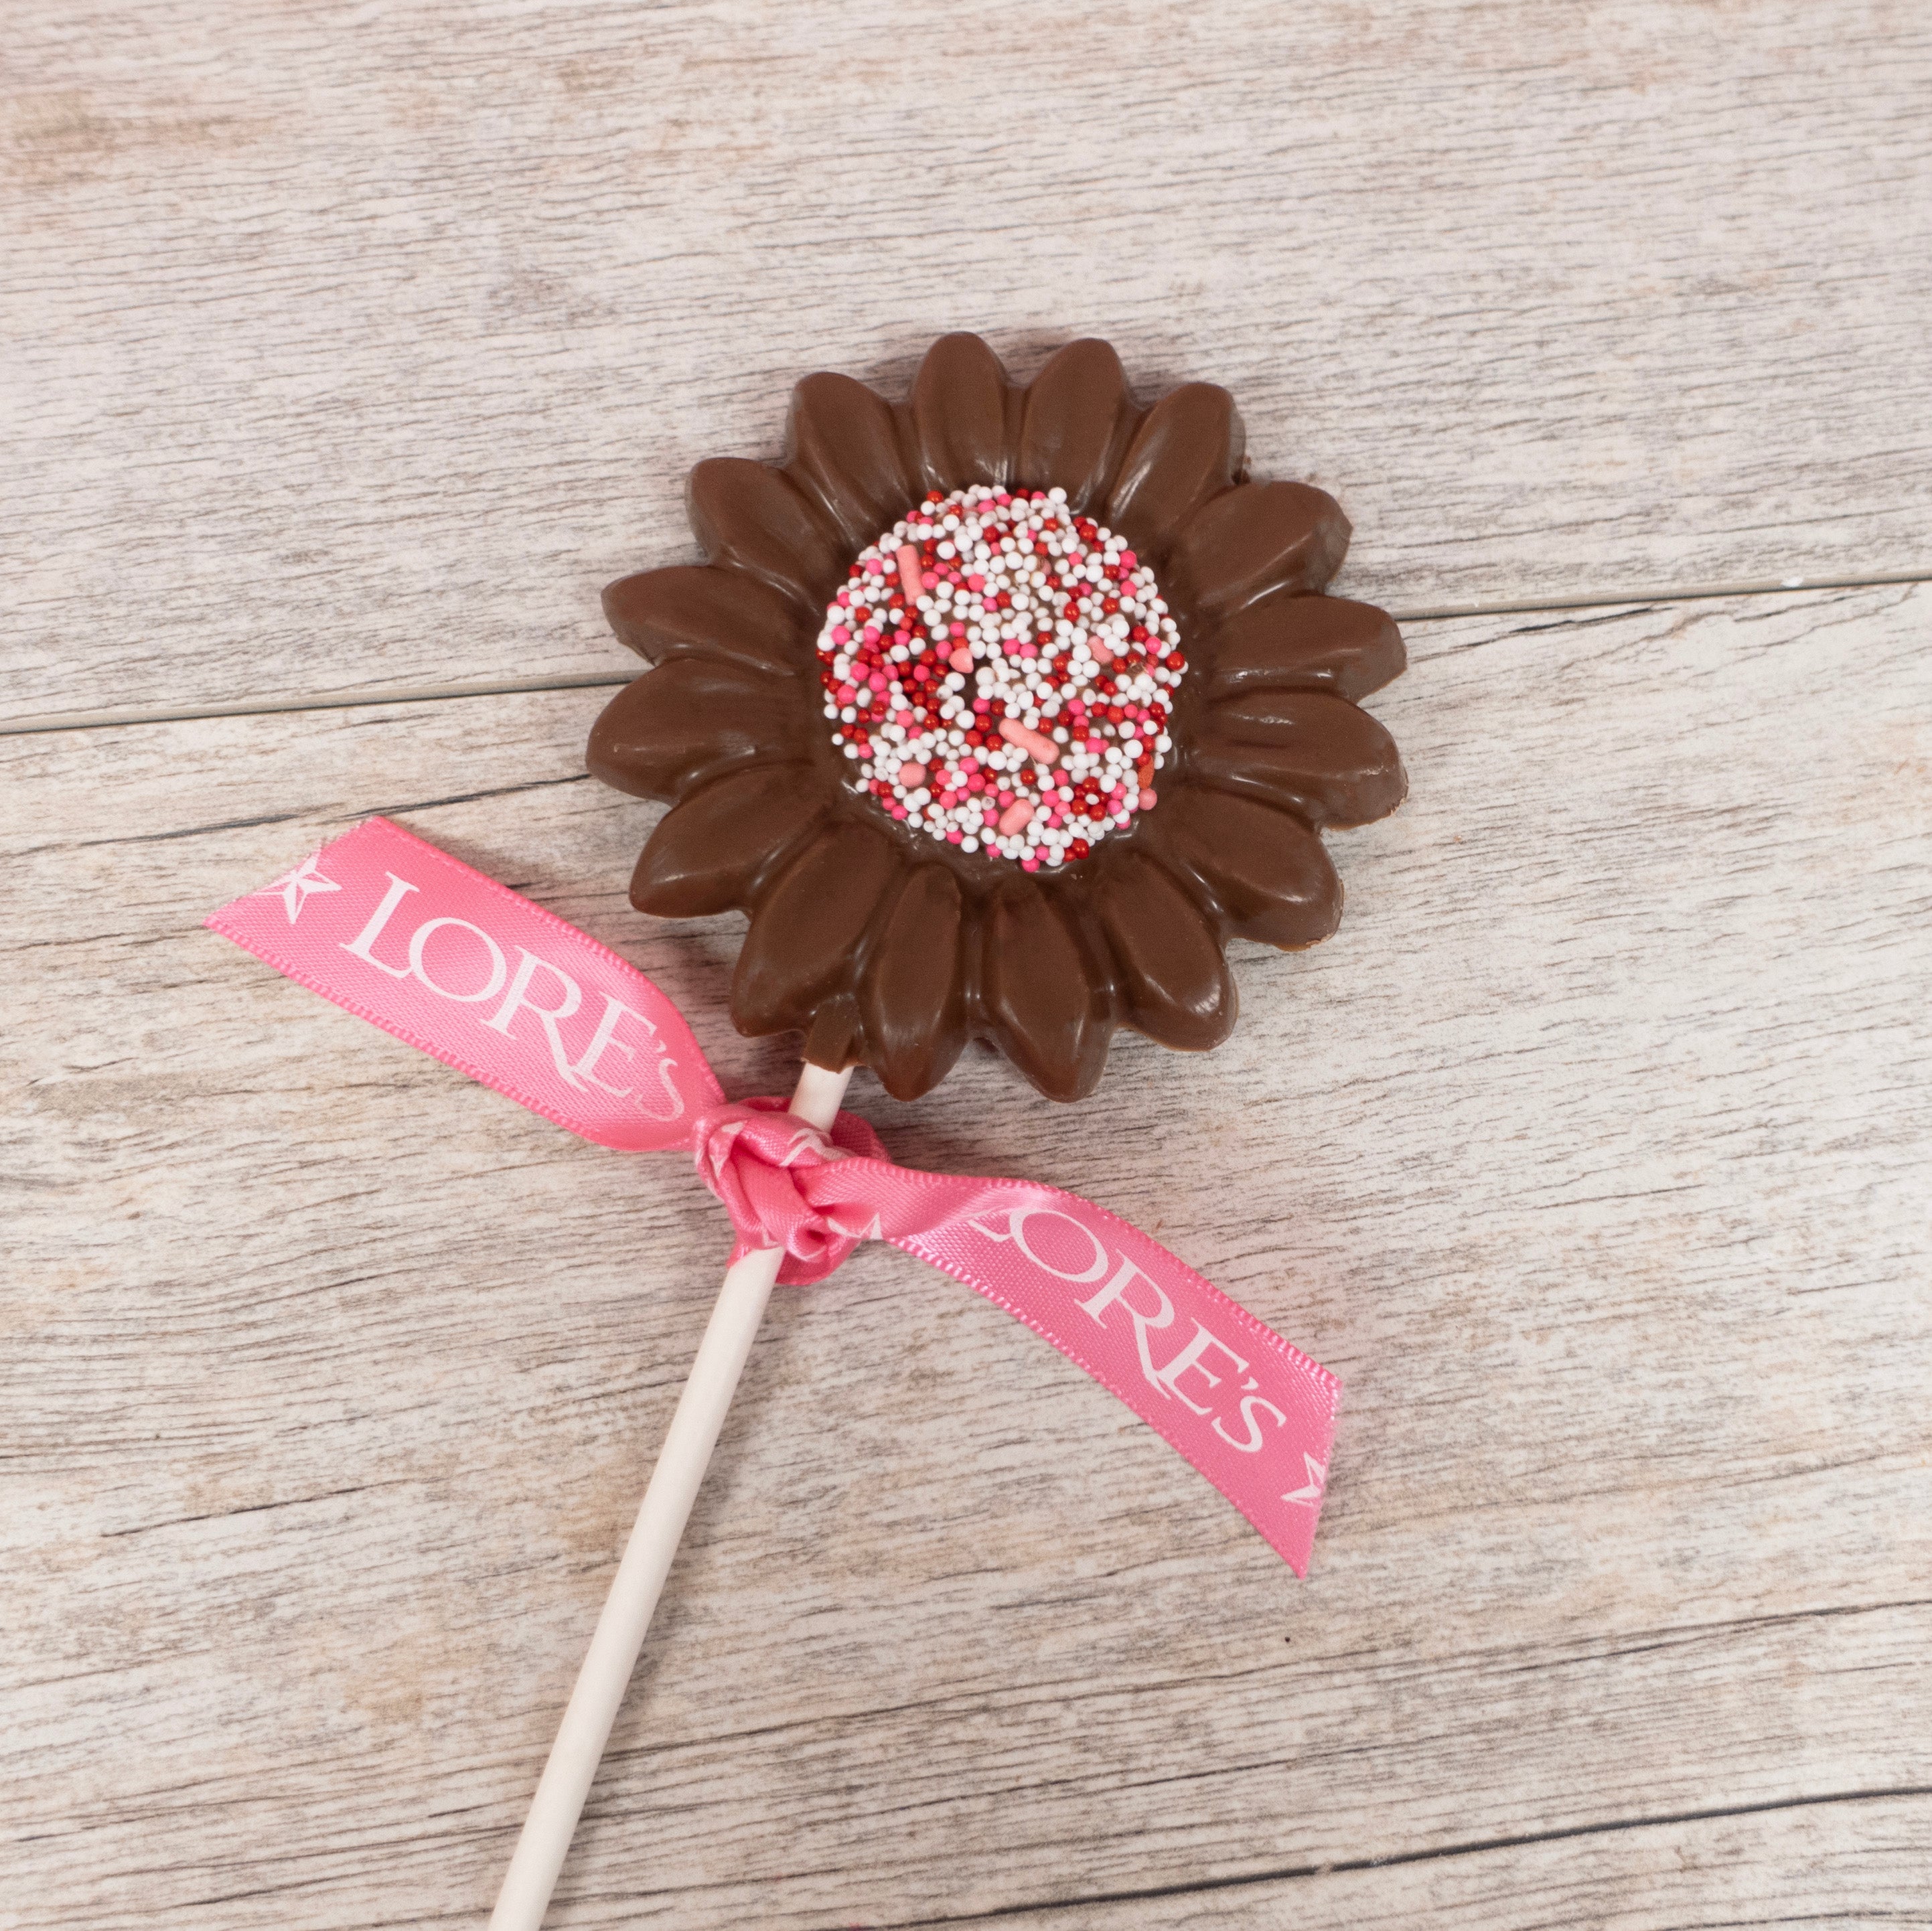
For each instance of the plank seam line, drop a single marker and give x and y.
(1474, 1848)
(593, 680)
(1021, 1696)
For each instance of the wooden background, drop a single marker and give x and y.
(350, 349)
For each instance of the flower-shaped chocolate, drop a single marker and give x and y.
(1000, 711)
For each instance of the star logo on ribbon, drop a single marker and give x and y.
(1317, 1472)
(294, 888)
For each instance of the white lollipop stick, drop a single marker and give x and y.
(606, 1673)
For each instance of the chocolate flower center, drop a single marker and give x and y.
(999, 672)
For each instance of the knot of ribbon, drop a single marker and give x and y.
(417, 943)
(778, 1178)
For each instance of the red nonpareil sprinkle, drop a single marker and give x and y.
(1034, 660)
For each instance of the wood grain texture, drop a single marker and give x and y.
(354, 347)
(1590, 1153)
(1866, 1867)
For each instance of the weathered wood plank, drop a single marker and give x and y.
(357, 352)
(1590, 1153)
(1867, 1864)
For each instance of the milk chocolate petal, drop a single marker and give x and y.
(694, 610)
(1314, 752)
(1052, 1020)
(1267, 870)
(913, 1000)
(958, 407)
(844, 451)
(1074, 429)
(1187, 448)
(1174, 981)
(836, 1037)
(691, 719)
(1308, 643)
(807, 931)
(709, 853)
(1257, 538)
(756, 517)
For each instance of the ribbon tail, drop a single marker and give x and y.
(399, 933)
(1253, 1414)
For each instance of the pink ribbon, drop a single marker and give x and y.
(418, 943)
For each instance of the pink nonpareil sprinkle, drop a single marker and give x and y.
(911, 775)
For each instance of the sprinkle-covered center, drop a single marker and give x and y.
(1000, 671)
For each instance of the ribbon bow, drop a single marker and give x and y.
(777, 1176)
(417, 943)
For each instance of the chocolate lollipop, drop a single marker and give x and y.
(1000, 711)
